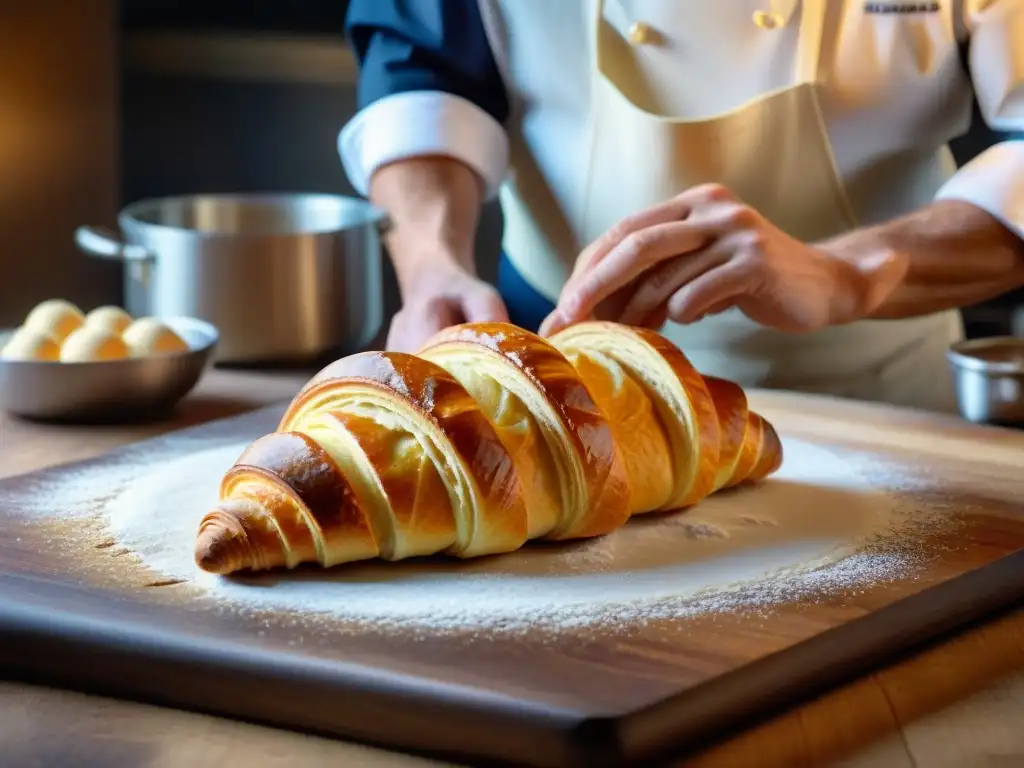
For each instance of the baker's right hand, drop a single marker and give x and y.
(439, 297)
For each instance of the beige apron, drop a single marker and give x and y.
(774, 154)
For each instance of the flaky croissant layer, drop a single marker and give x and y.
(488, 437)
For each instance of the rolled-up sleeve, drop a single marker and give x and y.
(428, 85)
(994, 180)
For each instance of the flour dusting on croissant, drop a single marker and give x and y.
(682, 409)
(489, 437)
(549, 422)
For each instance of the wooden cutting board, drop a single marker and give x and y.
(79, 611)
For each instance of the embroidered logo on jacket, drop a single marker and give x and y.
(901, 7)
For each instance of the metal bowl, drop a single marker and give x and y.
(989, 377)
(114, 390)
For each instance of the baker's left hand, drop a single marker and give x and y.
(703, 252)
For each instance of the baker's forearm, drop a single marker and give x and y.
(434, 205)
(955, 255)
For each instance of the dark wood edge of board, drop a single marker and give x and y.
(65, 650)
(133, 662)
(766, 686)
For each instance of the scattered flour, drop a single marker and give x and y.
(825, 524)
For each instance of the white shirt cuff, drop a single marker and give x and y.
(993, 181)
(419, 123)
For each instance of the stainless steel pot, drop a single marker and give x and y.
(285, 277)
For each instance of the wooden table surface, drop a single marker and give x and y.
(959, 702)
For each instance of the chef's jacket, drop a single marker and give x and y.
(896, 82)
(433, 80)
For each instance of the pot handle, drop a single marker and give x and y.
(105, 244)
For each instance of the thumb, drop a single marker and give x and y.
(412, 326)
(484, 305)
(439, 313)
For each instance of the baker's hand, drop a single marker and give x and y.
(703, 252)
(439, 296)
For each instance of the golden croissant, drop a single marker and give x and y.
(488, 437)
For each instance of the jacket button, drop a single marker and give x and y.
(640, 33)
(768, 20)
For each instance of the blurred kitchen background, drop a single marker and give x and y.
(103, 103)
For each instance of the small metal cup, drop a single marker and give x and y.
(989, 378)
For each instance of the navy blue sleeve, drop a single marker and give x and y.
(425, 45)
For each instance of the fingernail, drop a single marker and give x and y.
(550, 324)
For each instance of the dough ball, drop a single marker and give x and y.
(113, 319)
(89, 345)
(30, 344)
(56, 318)
(147, 336)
